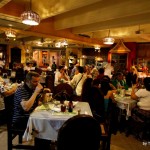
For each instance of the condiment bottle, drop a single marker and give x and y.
(70, 106)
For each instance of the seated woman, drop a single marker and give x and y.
(108, 92)
(86, 89)
(141, 113)
(97, 100)
(60, 76)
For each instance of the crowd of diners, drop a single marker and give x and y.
(95, 86)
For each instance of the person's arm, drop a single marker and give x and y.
(26, 105)
(56, 78)
(10, 91)
(111, 96)
(65, 76)
(133, 96)
(112, 86)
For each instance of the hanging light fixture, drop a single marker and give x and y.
(97, 48)
(10, 33)
(64, 43)
(30, 17)
(108, 40)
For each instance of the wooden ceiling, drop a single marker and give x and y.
(81, 22)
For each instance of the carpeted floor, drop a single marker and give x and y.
(118, 142)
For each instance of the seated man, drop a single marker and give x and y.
(78, 80)
(25, 100)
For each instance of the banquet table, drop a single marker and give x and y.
(45, 121)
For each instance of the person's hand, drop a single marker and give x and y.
(38, 88)
(14, 86)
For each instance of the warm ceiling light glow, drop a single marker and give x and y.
(108, 40)
(30, 17)
(64, 43)
(97, 48)
(10, 33)
(58, 44)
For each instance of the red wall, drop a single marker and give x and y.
(132, 55)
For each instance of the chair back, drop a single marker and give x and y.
(9, 105)
(78, 133)
(64, 90)
(12, 132)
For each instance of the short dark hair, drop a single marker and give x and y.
(80, 69)
(147, 83)
(60, 67)
(101, 70)
(31, 74)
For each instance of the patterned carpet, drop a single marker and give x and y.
(118, 142)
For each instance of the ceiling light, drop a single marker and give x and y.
(10, 33)
(108, 40)
(64, 43)
(97, 48)
(58, 44)
(30, 17)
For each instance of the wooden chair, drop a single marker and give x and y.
(63, 89)
(11, 131)
(80, 132)
(106, 127)
(139, 124)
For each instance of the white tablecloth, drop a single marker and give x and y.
(45, 124)
(125, 103)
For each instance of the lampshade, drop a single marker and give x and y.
(108, 40)
(97, 48)
(10, 33)
(30, 18)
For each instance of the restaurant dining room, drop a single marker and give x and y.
(75, 75)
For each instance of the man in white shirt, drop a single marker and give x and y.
(78, 80)
(109, 69)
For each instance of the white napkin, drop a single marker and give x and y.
(56, 109)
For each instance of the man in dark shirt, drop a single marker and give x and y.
(25, 100)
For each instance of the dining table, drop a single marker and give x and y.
(46, 120)
(125, 102)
